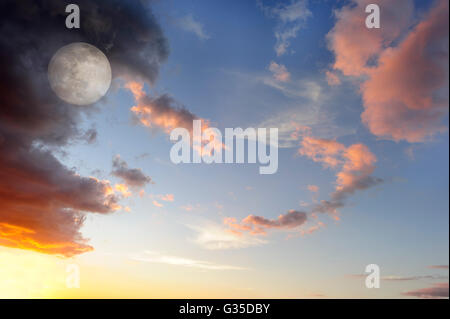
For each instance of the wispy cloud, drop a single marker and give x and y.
(279, 71)
(164, 197)
(439, 290)
(290, 19)
(156, 257)
(189, 24)
(438, 267)
(404, 278)
(411, 278)
(213, 236)
(306, 102)
(157, 204)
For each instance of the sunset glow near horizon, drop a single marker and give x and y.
(363, 152)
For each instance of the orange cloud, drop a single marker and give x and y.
(43, 205)
(405, 91)
(165, 113)
(162, 112)
(24, 238)
(356, 164)
(321, 150)
(157, 204)
(168, 197)
(122, 189)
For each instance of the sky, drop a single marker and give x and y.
(363, 157)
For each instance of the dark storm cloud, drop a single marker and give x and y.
(133, 177)
(126, 31)
(42, 202)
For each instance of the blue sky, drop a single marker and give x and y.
(218, 68)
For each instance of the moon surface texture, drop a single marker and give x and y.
(79, 73)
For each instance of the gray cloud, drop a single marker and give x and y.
(42, 202)
(133, 177)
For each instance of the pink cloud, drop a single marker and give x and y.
(332, 78)
(161, 112)
(157, 204)
(404, 89)
(356, 164)
(439, 290)
(321, 150)
(354, 45)
(167, 197)
(257, 225)
(280, 73)
(405, 96)
(312, 228)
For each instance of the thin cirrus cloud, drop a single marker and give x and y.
(167, 197)
(306, 102)
(313, 188)
(438, 267)
(189, 24)
(438, 290)
(405, 92)
(404, 278)
(290, 19)
(157, 204)
(213, 236)
(156, 257)
(43, 202)
(400, 278)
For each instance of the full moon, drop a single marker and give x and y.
(79, 73)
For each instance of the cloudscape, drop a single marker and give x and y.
(311, 143)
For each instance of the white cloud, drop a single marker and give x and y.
(213, 236)
(156, 257)
(189, 24)
(309, 103)
(291, 17)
